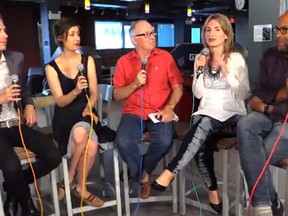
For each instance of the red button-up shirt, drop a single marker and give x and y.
(162, 73)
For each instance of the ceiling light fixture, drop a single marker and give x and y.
(76, 10)
(147, 8)
(189, 12)
(87, 4)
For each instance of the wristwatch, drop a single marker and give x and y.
(266, 109)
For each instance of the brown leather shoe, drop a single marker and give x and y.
(145, 190)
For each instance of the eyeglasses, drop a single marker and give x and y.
(146, 34)
(282, 30)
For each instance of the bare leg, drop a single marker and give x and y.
(80, 137)
(214, 197)
(165, 178)
(93, 149)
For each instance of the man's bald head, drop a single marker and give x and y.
(282, 32)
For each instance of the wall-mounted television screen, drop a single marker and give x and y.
(195, 35)
(108, 35)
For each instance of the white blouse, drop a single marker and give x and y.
(222, 97)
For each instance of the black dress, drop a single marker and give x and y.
(66, 117)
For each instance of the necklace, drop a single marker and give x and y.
(213, 73)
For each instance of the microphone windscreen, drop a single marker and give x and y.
(205, 51)
(144, 61)
(14, 78)
(80, 68)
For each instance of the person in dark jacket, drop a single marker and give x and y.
(258, 130)
(17, 180)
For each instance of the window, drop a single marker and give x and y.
(166, 33)
(108, 35)
(195, 35)
(127, 40)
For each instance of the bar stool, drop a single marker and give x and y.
(21, 154)
(224, 145)
(283, 164)
(115, 202)
(159, 198)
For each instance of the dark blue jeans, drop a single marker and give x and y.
(256, 135)
(128, 139)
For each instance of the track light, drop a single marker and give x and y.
(147, 8)
(87, 4)
(76, 10)
(189, 12)
(103, 11)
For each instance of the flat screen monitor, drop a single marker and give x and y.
(166, 33)
(184, 55)
(108, 35)
(195, 35)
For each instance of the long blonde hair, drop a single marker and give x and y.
(227, 29)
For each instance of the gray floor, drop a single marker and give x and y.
(151, 209)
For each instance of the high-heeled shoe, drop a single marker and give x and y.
(217, 207)
(159, 187)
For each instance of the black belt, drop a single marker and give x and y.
(9, 123)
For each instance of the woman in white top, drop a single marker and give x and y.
(222, 87)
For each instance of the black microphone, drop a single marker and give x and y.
(204, 52)
(15, 79)
(143, 66)
(80, 68)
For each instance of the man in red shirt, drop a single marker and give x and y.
(148, 81)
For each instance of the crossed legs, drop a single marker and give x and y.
(79, 140)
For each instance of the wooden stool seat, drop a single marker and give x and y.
(226, 143)
(283, 163)
(146, 136)
(181, 129)
(20, 151)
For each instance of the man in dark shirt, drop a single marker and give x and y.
(258, 130)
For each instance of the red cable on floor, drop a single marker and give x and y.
(267, 163)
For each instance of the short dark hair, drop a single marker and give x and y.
(61, 28)
(1, 17)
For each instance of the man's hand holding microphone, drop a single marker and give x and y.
(140, 79)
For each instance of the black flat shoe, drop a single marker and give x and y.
(159, 187)
(28, 207)
(217, 207)
(10, 206)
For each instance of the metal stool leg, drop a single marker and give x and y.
(117, 182)
(174, 186)
(55, 192)
(238, 205)
(1, 206)
(126, 189)
(67, 186)
(225, 197)
(182, 196)
(286, 192)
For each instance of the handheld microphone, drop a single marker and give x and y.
(15, 79)
(143, 66)
(80, 68)
(204, 52)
